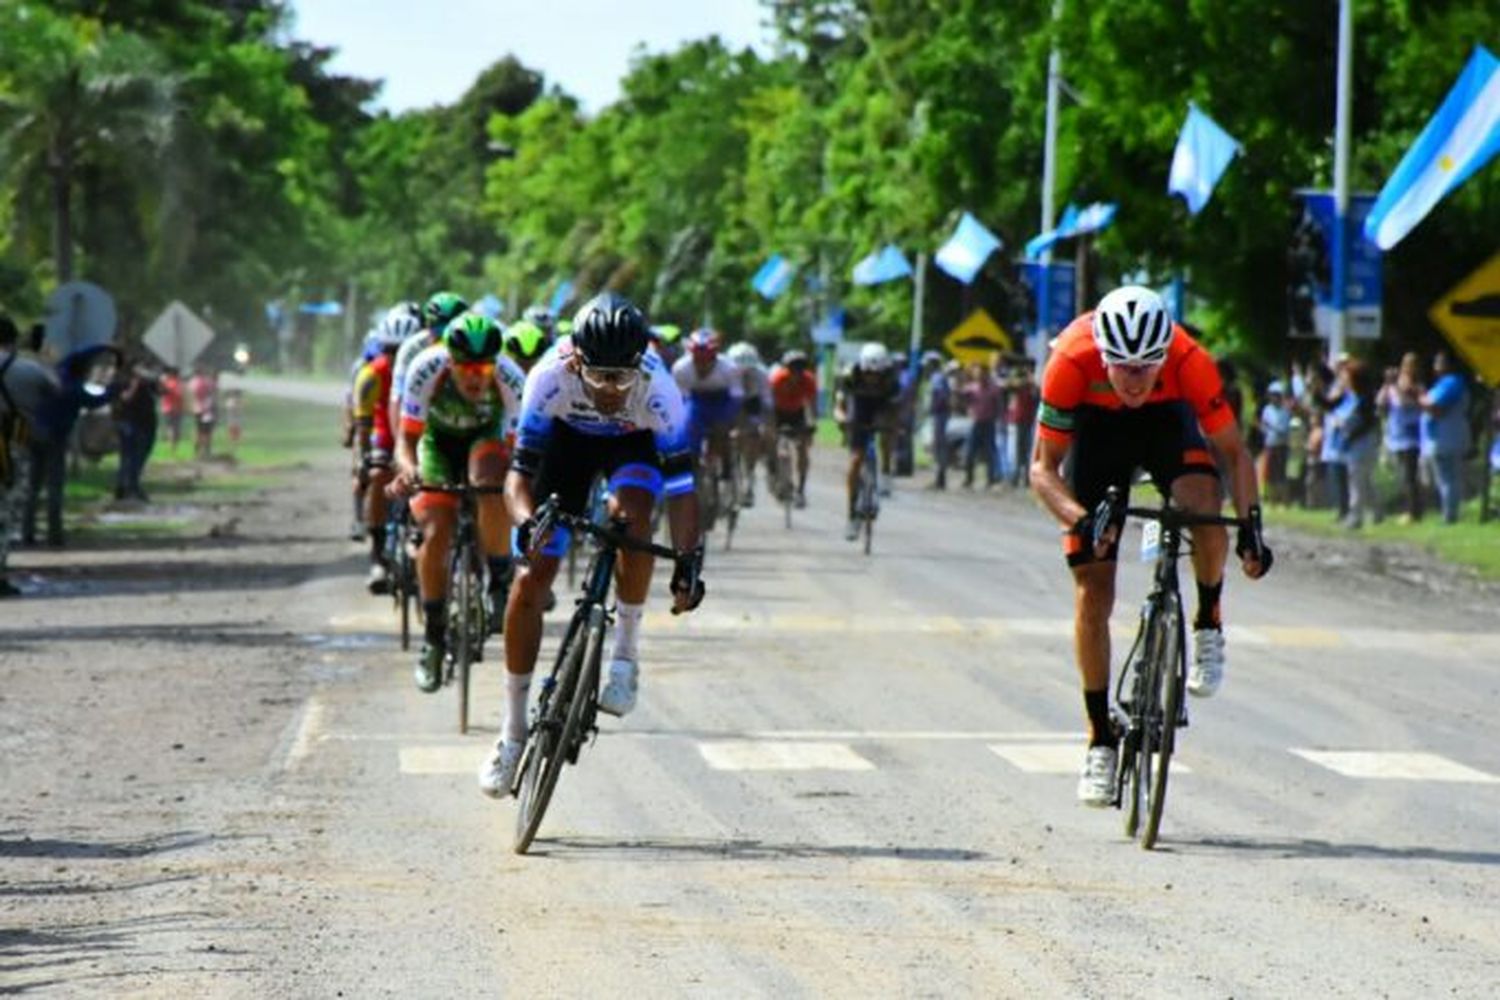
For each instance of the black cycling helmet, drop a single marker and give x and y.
(472, 337)
(443, 308)
(609, 332)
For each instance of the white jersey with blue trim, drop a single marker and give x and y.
(554, 393)
(405, 355)
(721, 378)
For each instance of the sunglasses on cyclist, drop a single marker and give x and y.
(1137, 370)
(475, 369)
(619, 379)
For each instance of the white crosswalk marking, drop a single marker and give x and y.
(450, 759)
(1044, 758)
(747, 755)
(1395, 766)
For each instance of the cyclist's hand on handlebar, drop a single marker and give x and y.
(404, 484)
(687, 581)
(1255, 555)
(1100, 528)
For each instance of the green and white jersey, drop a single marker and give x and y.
(432, 401)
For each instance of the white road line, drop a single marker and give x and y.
(1397, 766)
(881, 735)
(307, 728)
(745, 755)
(1050, 758)
(441, 759)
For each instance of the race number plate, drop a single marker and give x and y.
(1150, 541)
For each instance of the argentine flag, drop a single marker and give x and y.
(886, 264)
(1460, 138)
(774, 276)
(967, 249)
(1202, 155)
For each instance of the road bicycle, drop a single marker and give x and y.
(565, 717)
(1149, 690)
(468, 592)
(867, 493)
(787, 439)
(401, 542)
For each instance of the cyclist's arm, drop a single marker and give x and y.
(520, 501)
(1239, 469)
(1048, 484)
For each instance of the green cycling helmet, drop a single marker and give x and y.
(472, 337)
(526, 341)
(443, 308)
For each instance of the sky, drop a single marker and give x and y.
(429, 51)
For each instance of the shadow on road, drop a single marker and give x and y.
(200, 634)
(1309, 848)
(180, 576)
(28, 847)
(672, 848)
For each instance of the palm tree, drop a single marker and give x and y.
(76, 96)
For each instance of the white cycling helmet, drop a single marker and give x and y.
(1132, 326)
(744, 354)
(874, 356)
(394, 329)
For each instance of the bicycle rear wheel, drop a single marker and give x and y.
(550, 741)
(461, 628)
(1166, 700)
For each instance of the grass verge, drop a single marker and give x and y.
(1467, 543)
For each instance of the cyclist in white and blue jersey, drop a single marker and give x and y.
(596, 404)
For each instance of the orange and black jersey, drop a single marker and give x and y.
(1075, 380)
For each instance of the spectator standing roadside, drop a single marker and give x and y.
(1275, 421)
(233, 416)
(135, 421)
(50, 435)
(1338, 405)
(940, 411)
(1401, 402)
(1021, 415)
(203, 388)
(26, 389)
(982, 397)
(1359, 432)
(1445, 433)
(171, 406)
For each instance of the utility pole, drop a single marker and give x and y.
(1340, 330)
(1049, 205)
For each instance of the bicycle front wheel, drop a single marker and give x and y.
(461, 631)
(549, 747)
(1166, 703)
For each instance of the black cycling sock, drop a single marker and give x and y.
(436, 615)
(1208, 604)
(377, 543)
(1101, 729)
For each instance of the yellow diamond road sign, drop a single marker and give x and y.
(1469, 316)
(977, 338)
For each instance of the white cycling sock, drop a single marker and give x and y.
(517, 687)
(627, 628)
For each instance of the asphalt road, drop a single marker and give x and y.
(848, 776)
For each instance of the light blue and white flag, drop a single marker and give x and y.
(967, 249)
(1075, 222)
(830, 329)
(561, 298)
(490, 306)
(1462, 137)
(1203, 154)
(886, 264)
(774, 277)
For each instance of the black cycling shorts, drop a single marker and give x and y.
(572, 459)
(868, 417)
(1110, 445)
(793, 422)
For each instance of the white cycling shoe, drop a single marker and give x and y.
(498, 771)
(618, 696)
(1207, 671)
(1096, 785)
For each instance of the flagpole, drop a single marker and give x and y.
(919, 281)
(1339, 333)
(1049, 205)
